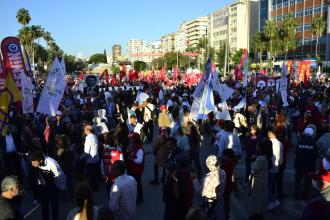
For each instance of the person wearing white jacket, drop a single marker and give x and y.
(273, 172)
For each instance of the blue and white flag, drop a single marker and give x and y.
(207, 103)
(284, 85)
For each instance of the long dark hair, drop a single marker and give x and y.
(82, 193)
(265, 147)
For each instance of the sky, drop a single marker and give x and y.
(90, 26)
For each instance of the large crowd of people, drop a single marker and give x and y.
(99, 142)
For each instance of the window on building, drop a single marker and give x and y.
(308, 11)
(298, 1)
(291, 2)
(299, 29)
(307, 27)
(317, 10)
(285, 4)
(300, 13)
(274, 7)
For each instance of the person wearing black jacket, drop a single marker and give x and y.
(10, 187)
(10, 144)
(305, 163)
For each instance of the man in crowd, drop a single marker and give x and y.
(305, 163)
(90, 156)
(49, 180)
(123, 193)
(134, 125)
(10, 188)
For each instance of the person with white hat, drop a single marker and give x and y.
(306, 155)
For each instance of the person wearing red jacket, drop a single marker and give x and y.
(135, 162)
(110, 155)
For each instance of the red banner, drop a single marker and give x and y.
(13, 58)
(3, 75)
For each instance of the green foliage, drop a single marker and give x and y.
(115, 69)
(259, 44)
(23, 16)
(220, 56)
(317, 28)
(72, 64)
(236, 58)
(97, 58)
(139, 65)
(157, 63)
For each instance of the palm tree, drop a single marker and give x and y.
(23, 16)
(271, 31)
(289, 33)
(259, 44)
(317, 27)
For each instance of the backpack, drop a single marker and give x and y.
(152, 113)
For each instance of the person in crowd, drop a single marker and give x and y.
(183, 141)
(262, 119)
(229, 140)
(177, 190)
(134, 126)
(49, 137)
(123, 193)
(305, 163)
(10, 190)
(59, 123)
(174, 151)
(227, 163)
(135, 162)
(85, 206)
(148, 126)
(194, 139)
(90, 156)
(274, 171)
(323, 142)
(111, 153)
(250, 141)
(49, 180)
(164, 120)
(10, 145)
(161, 153)
(211, 189)
(259, 179)
(65, 157)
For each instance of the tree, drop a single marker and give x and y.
(220, 56)
(139, 65)
(259, 45)
(97, 58)
(70, 63)
(271, 32)
(157, 63)
(236, 58)
(115, 69)
(288, 33)
(23, 16)
(317, 27)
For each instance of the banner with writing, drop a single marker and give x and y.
(53, 90)
(13, 59)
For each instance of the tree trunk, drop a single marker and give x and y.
(317, 42)
(260, 57)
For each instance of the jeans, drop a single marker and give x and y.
(271, 187)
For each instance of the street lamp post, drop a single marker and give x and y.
(226, 53)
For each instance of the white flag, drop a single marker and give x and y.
(223, 90)
(53, 90)
(224, 113)
(240, 105)
(27, 94)
(318, 74)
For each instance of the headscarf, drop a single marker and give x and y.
(212, 163)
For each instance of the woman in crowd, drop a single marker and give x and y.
(259, 179)
(85, 206)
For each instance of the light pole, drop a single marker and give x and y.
(227, 39)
